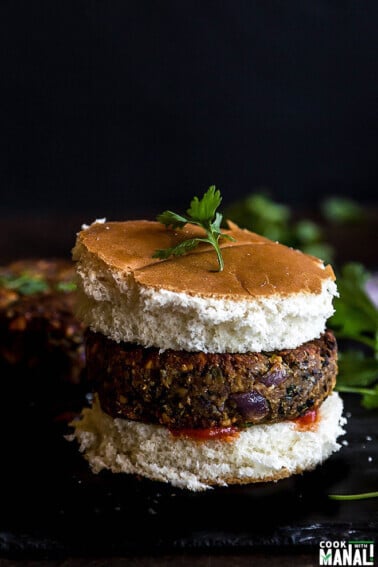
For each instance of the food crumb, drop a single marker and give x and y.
(370, 459)
(345, 443)
(369, 438)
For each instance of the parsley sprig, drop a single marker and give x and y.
(203, 213)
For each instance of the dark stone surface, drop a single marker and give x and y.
(52, 504)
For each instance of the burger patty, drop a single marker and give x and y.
(39, 331)
(182, 389)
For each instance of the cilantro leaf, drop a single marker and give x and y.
(202, 212)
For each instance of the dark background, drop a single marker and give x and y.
(114, 108)
(120, 108)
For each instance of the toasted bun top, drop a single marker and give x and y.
(254, 265)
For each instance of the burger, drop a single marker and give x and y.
(204, 377)
(40, 336)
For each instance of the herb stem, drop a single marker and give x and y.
(356, 390)
(360, 496)
(214, 240)
(220, 258)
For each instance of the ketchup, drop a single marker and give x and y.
(213, 433)
(308, 421)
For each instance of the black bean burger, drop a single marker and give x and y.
(205, 377)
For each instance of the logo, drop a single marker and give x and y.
(346, 553)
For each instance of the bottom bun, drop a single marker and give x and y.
(258, 454)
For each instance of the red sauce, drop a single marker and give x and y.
(66, 416)
(219, 433)
(308, 421)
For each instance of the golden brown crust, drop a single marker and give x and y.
(254, 265)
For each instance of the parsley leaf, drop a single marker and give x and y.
(203, 210)
(358, 374)
(203, 213)
(356, 368)
(342, 210)
(178, 250)
(25, 283)
(356, 316)
(172, 219)
(356, 319)
(66, 286)
(259, 213)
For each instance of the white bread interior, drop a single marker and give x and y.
(269, 297)
(260, 453)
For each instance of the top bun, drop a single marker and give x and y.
(268, 296)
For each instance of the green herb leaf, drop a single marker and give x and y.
(356, 368)
(308, 232)
(356, 316)
(319, 249)
(66, 286)
(25, 283)
(203, 213)
(172, 219)
(178, 250)
(203, 210)
(259, 213)
(342, 210)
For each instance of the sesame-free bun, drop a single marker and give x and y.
(268, 296)
(260, 453)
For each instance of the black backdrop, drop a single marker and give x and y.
(113, 107)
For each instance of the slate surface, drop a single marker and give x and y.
(52, 504)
